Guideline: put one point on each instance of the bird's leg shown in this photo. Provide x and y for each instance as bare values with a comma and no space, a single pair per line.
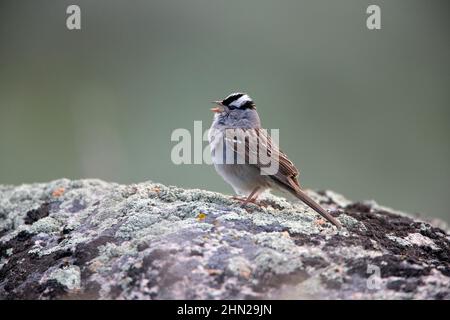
248,198
251,198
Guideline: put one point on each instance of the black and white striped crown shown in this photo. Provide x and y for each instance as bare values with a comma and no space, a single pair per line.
238,100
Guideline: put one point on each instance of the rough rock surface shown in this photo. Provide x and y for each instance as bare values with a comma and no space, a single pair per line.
90,239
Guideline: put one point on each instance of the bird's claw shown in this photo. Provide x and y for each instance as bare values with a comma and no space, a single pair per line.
246,201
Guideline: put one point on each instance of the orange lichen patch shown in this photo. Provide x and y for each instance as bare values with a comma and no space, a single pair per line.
214,272
58,192
156,189
320,222
201,216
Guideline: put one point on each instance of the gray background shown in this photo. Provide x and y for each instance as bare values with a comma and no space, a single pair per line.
362,112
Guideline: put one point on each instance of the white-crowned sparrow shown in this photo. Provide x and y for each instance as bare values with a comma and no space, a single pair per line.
231,153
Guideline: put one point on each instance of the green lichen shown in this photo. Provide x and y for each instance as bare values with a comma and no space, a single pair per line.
414,239
240,266
350,222
69,277
272,261
45,225
276,240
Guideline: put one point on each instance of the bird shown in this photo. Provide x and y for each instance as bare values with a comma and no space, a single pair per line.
235,137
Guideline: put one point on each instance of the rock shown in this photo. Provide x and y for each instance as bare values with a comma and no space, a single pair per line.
90,239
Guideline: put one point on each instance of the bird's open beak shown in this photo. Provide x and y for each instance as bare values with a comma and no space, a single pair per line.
219,107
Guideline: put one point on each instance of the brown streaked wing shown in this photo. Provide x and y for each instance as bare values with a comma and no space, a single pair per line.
287,172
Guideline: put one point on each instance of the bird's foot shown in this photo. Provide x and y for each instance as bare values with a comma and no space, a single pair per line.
245,201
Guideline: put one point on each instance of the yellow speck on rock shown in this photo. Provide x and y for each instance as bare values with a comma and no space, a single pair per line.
201,216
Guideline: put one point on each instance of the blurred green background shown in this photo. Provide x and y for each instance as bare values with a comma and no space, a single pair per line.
365,113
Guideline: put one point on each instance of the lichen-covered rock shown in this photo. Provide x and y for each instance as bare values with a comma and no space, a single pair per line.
96,240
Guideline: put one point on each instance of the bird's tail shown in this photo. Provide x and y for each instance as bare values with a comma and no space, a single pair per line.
314,205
